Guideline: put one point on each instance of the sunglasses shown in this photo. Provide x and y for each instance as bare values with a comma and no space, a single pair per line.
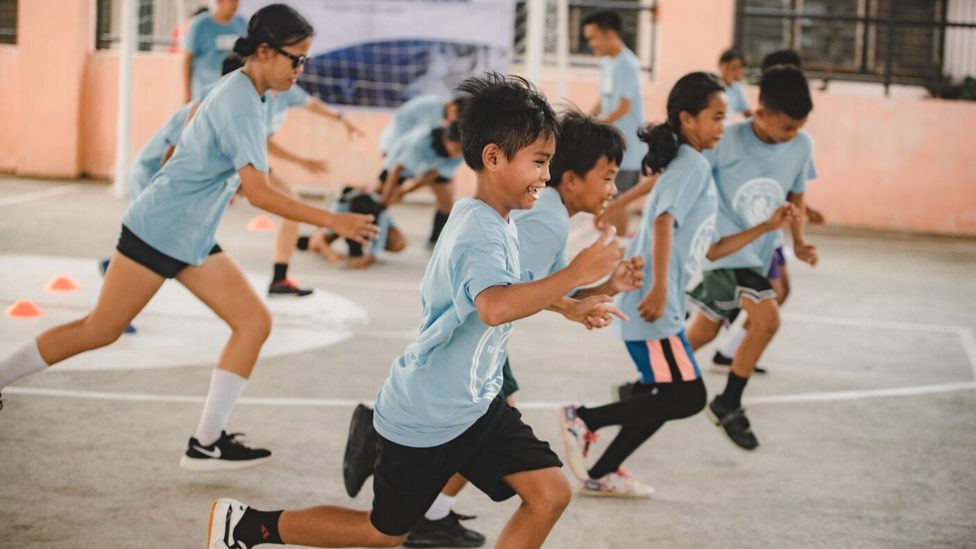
296,60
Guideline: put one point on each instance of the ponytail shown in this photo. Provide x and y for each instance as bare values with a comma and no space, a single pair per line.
690,94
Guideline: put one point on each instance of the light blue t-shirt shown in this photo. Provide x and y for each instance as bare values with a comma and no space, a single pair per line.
422,111
543,232
178,213
687,192
620,79
753,179
150,157
281,102
736,96
210,42
446,379
415,151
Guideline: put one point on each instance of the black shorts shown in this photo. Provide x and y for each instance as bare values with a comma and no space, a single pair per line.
137,250
406,480
510,385
440,179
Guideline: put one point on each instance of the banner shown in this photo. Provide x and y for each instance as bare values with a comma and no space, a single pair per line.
380,53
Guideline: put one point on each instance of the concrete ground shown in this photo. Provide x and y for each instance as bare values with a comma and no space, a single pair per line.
866,420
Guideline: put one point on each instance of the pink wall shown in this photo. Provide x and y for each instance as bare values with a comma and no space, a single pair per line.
896,163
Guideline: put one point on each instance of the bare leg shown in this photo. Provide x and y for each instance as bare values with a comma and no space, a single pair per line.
702,331
395,241
127,288
320,243
454,485
329,526
221,285
285,241
763,323
545,495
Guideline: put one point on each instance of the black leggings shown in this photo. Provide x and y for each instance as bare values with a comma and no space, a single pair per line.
640,416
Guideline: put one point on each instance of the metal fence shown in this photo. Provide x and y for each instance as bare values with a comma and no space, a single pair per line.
915,42
638,29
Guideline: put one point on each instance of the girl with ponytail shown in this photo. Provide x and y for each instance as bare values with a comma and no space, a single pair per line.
169,232
677,230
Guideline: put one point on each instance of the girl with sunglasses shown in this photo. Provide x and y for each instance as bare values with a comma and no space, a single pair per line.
168,232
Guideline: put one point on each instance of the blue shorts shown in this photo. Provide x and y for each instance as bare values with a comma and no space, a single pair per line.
664,360
779,261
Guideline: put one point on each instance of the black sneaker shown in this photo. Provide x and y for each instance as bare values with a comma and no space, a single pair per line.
446,532
1,402
226,454
734,422
360,455
722,363
288,287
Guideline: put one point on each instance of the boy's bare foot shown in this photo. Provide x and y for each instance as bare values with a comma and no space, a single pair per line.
318,242
361,262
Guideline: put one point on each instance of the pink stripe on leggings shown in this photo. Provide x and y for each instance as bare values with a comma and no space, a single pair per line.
685,365
659,364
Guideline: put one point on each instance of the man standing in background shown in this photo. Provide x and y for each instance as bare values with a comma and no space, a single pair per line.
209,39
620,99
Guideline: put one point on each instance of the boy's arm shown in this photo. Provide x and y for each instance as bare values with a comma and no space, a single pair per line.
427,179
621,111
390,183
804,252
317,106
728,245
501,304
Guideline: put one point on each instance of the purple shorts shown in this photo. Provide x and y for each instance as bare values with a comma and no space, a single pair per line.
779,261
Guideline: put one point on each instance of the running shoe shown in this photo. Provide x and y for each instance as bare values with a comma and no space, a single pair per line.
722,363
227,453
573,430
288,287
360,455
734,423
616,485
225,514
446,532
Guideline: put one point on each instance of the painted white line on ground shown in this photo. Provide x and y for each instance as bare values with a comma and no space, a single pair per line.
871,323
829,396
37,195
969,344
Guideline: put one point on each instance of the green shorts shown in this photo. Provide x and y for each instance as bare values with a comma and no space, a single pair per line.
719,295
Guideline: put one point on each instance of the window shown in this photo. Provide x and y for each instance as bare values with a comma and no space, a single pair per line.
159,23
901,41
631,13
8,21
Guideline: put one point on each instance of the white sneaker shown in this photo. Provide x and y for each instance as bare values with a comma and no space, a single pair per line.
572,429
616,485
224,516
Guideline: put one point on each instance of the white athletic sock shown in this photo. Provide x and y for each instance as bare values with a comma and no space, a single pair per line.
731,344
440,508
225,388
22,362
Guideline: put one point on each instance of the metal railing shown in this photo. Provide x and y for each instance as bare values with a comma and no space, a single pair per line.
879,44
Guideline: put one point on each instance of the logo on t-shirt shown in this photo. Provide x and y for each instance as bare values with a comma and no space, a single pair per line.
757,199
225,42
699,245
486,379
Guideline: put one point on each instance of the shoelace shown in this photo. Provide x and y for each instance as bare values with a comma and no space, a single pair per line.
589,437
233,439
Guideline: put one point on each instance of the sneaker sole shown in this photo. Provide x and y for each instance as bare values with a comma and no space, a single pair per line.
723,369
210,523
596,494
211,465
714,419
572,460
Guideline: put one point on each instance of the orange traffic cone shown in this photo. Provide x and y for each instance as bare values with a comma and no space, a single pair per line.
261,224
23,308
61,283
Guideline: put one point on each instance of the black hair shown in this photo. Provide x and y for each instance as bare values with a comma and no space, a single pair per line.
459,100
232,62
783,88
605,19
276,25
583,140
730,55
781,57
505,110
451,132
690,94
202,9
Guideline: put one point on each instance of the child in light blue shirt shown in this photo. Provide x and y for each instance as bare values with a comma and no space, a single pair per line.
731,65
439,412
209,38
423,111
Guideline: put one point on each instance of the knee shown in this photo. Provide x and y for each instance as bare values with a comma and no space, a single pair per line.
697,397
397,244
553,499
256,324
766,323
101,335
